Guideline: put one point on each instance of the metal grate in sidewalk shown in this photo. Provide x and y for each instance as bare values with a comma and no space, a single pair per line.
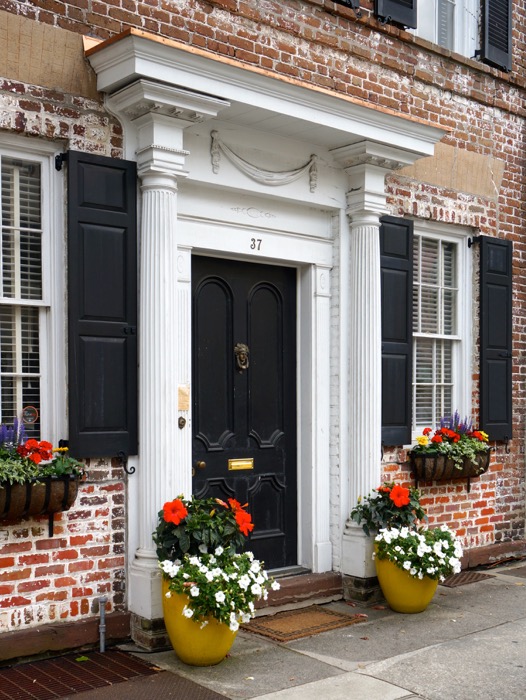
464,577
66,675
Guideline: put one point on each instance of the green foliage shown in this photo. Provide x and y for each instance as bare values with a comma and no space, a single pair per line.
22,460
196,526
434,553
390,505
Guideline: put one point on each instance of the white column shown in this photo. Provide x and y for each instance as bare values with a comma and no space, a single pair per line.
157,471
366,164
365,410
154,117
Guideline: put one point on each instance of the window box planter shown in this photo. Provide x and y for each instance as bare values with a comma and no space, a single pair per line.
42,496
437,467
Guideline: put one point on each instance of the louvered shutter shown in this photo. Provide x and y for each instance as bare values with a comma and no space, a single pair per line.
396,250
496,338
400,11
102,305
496,34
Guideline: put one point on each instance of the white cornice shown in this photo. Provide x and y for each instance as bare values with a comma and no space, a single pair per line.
124,60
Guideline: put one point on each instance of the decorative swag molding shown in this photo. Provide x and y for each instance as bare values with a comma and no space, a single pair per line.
264,177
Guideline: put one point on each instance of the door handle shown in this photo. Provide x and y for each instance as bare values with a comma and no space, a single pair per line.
200,465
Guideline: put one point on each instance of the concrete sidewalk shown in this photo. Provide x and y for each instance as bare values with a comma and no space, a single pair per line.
470,644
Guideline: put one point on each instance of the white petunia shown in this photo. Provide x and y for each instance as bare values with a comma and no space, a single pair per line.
275,586
256,589
194,591
187,612
220,597
203,549
407,565
219,551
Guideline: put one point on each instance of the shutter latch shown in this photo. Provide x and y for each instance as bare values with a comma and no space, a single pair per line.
123,459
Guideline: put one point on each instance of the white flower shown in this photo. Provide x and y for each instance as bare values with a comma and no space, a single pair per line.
204,624
203,569
275,586
234,625
255,567
245,617
203,549
194,561
256,589
209,576
194,591
244,582
219,551
220,597
250,555
407,565
168,594
187,612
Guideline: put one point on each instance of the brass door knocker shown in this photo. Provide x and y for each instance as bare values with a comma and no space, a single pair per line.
241,352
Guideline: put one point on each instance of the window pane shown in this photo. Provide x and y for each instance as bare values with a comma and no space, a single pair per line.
20,279
21,230
435,301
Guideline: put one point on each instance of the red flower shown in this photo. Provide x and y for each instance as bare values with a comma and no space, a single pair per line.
436,438
426,431
399,495
174,511
383,489
244,521
35,457
235,505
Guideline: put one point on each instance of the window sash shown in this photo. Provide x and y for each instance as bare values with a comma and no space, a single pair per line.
21,290
437,327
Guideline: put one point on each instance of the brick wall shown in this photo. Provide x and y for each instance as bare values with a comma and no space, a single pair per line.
44,580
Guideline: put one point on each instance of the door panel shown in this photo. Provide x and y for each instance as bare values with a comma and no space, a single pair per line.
244,425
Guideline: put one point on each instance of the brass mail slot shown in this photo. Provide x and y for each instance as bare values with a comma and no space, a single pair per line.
238,464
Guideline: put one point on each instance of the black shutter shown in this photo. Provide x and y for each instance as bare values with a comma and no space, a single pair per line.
102,305
496,34
496,337
396,259
399,11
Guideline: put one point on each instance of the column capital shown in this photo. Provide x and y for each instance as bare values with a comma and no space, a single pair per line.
157,115
367,163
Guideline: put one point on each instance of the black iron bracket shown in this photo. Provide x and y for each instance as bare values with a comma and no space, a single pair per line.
473,240
353,4
123,459
60,159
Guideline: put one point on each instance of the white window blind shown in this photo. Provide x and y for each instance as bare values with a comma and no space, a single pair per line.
20,291
435,320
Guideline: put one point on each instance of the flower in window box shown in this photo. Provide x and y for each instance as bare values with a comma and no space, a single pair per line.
456,440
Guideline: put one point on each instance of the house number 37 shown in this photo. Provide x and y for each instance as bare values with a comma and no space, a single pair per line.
255,243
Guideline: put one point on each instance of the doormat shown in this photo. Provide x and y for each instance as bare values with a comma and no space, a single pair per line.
464,577
295,624
67,675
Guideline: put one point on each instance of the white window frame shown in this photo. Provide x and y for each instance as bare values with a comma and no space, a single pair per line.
466,24
463,349
52,318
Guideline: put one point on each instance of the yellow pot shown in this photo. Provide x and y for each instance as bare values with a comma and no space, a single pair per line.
403,592
194,645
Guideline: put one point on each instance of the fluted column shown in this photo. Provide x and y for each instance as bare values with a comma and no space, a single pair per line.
365,410
158,343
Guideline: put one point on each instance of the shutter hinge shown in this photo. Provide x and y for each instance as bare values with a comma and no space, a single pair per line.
123,459
473,240
59,160
353,4
506,444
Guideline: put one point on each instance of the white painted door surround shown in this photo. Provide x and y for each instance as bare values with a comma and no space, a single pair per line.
170,98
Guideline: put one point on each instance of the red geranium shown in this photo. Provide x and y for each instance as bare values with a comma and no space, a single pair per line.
174,511
244,521
400,496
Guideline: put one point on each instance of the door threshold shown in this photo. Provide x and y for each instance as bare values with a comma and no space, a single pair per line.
289,571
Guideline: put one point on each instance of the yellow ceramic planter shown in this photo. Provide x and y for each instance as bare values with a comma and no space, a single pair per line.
194,645
404,593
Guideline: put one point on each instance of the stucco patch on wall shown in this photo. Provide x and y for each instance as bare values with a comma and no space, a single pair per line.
459,169
39,54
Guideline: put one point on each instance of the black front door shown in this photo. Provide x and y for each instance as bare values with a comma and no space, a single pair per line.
244,397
